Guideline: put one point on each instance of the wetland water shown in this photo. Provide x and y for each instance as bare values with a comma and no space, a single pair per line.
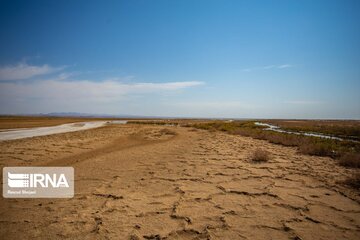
274,128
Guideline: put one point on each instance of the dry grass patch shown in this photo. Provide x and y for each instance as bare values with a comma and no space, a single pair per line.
193,130
350,160
341,128
317,149
166,131
260,155
354,181
305,144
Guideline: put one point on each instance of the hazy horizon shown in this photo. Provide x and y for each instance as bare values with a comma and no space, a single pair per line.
190,59
128,116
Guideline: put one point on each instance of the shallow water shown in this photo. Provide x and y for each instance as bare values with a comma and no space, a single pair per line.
11,134
274,128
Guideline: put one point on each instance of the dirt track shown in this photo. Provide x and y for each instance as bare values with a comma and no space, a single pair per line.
141,182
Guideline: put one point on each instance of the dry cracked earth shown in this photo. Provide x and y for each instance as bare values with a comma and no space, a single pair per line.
150,182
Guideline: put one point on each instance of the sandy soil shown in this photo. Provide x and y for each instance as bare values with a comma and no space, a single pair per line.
146,182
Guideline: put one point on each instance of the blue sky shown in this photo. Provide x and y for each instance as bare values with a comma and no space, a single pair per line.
240,59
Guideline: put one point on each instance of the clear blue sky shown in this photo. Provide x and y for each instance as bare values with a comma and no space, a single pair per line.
257,59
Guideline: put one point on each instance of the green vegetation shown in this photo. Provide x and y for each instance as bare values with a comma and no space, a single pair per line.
306,144
349,129
346,152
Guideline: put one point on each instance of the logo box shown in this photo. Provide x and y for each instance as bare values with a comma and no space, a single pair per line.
38,182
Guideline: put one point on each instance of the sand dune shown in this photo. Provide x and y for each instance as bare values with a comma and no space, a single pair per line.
154,182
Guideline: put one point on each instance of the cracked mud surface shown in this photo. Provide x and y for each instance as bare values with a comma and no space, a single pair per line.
144,182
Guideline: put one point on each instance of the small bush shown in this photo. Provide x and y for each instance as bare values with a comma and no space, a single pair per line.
166,131
354,181
305,144
317,149
260,155
350,160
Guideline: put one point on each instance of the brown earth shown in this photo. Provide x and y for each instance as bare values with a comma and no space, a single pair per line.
156,182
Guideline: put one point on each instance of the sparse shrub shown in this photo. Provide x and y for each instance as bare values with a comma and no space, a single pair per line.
317,149
306,144
260,155
350,160
166,131
354,181
193,130
345,129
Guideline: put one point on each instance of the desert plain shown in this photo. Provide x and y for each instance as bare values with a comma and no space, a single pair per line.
144,181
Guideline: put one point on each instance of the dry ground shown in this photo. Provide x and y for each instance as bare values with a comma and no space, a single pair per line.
9,122
143,182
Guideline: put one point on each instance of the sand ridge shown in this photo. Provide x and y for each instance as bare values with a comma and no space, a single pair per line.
155,182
